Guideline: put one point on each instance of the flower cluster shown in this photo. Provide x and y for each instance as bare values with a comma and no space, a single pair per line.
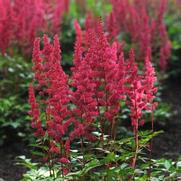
54,97
141,91
100,79
144,25
35,113
6,28
22,20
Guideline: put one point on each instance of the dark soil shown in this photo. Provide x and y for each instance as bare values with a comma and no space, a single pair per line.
166,145
9,171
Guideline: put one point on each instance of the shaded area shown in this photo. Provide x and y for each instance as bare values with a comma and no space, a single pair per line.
168,144
9,171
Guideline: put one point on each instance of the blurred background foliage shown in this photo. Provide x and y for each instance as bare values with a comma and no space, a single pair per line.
173,22
15,74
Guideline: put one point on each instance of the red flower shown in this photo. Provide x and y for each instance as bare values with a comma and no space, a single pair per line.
98,78
65,171
6,26
54,148
22,20
149,82
78,46
64,160
54,91
102,59
145,26
60,7
135,92
35,113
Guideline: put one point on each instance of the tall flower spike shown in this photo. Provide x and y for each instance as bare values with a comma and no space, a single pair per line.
35,113
78,45
83,96
103,61
132,69
135,91
57,15
21,21
150,79
55,100
38,63
149,85
58,88
146,30
112,27
121,75
6,26
136,100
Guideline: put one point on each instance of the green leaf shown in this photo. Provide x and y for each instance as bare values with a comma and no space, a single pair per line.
109,158
178,164
167,164
89,166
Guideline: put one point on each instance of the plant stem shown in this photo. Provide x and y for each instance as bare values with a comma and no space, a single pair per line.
82,149
151,141
136,146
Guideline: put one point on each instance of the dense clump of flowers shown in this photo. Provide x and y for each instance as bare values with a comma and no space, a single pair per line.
6,28
95,77
55,10
78,49
22,20
54,92
35,113
143,22
27,25
89,99
141,94
149,85
135,91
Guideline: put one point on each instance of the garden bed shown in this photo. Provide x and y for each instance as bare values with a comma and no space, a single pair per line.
165,145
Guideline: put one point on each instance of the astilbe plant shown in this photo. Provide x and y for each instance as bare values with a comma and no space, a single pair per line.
22,20
54,91
141,94
143,21
6,29
27,25
72,108
55,10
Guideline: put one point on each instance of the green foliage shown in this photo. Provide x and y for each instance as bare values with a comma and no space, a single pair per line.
162,113
15,74
173,22
66,38
112,163
35,172
98,8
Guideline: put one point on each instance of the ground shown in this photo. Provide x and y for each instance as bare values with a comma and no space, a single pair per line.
9,171
168,144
